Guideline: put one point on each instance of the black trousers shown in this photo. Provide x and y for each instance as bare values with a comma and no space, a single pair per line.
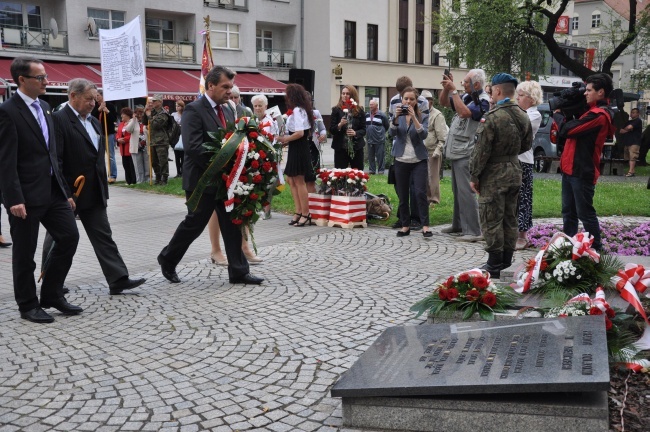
98,229
129,169
342,159
57,217
412,176
192,227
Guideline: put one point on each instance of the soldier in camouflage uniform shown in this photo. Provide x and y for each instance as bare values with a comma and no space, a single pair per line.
504,133
156,120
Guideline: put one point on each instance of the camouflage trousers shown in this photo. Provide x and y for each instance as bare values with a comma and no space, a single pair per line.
499,186
160,161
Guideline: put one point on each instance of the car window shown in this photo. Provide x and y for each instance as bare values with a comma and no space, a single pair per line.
546,115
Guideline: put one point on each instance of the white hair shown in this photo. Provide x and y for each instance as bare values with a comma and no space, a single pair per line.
477,75
261,98
235,90
532,89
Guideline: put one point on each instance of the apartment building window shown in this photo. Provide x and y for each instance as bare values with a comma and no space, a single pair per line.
373,51
574,23
264,39
159,30
435,4
420,2
225,35
16,15
402,42
419,47
595,20
350,40
107,19
435,56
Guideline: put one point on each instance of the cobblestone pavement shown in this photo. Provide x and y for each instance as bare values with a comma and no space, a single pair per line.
206,354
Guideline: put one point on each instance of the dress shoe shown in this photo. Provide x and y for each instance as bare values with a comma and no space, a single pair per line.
125,283
62,305
169,272
37,315
5,244
247,279
111,180
427,233
403,233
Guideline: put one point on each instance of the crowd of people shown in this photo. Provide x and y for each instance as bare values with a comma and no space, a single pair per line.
488,144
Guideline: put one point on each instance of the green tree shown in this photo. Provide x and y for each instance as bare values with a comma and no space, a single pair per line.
502,35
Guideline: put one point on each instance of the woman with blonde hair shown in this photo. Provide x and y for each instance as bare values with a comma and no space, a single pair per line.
348,122
529,95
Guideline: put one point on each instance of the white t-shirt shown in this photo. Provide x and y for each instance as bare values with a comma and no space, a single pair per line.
535,120
298,120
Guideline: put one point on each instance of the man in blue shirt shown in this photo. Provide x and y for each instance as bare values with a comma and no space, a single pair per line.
458,147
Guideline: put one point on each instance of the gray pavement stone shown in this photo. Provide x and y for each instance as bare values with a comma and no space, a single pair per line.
206,354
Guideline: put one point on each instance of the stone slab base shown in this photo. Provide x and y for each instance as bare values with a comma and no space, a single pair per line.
546,412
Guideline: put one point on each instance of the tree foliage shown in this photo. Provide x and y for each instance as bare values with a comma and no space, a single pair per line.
512,36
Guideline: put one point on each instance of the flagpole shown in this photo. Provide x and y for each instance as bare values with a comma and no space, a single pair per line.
108,155
149,143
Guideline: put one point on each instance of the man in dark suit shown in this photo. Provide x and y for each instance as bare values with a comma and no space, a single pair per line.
81,151
204,115
34,193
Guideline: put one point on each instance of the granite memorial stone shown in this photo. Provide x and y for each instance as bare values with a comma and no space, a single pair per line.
520,356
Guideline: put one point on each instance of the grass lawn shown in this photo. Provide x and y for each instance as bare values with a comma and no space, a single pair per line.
612,198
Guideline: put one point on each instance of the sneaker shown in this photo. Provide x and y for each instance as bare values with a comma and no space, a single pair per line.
469,238
449,230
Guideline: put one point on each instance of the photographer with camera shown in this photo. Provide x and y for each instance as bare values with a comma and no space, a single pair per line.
459,145
580,160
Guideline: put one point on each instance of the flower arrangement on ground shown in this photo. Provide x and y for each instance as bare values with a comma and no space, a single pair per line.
348,106
470,292
621,328
617,238
566,267
322,179
243,167
346,182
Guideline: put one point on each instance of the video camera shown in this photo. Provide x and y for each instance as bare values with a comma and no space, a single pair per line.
570,101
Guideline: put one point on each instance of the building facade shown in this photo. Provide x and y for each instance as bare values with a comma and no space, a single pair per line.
260,39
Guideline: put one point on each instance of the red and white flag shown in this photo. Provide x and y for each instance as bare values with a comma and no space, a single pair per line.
206,60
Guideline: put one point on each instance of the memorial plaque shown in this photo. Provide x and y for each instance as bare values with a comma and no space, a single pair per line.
522,356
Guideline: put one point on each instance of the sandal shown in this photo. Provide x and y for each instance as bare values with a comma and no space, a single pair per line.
295,221
630,174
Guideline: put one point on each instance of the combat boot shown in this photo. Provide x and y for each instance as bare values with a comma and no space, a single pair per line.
507,258
163,182
157,182
494,264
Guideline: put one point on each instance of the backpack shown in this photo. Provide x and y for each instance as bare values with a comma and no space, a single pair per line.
173,130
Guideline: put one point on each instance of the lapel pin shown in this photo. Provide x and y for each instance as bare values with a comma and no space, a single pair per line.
48,113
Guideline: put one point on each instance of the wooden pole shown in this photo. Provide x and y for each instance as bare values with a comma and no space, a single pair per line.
149,143
108,155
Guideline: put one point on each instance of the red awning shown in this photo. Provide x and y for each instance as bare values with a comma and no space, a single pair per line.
251,83
172,83
59,74
257,83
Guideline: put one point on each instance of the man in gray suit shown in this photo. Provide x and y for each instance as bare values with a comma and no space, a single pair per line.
81,151
207,114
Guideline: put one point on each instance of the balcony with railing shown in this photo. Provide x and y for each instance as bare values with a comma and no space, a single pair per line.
34,39
276,59
170,51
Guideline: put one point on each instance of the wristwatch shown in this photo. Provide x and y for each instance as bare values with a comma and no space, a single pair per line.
455,92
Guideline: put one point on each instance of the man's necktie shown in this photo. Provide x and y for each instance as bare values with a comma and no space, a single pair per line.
221,116
41,122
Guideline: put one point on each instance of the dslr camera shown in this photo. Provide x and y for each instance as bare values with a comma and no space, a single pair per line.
405,109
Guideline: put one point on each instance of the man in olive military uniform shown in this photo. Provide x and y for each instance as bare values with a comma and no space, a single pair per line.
156,118
504,133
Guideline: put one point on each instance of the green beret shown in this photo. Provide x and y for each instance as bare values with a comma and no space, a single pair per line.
502,78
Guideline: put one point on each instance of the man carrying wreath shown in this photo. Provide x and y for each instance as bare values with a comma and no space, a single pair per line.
207,114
